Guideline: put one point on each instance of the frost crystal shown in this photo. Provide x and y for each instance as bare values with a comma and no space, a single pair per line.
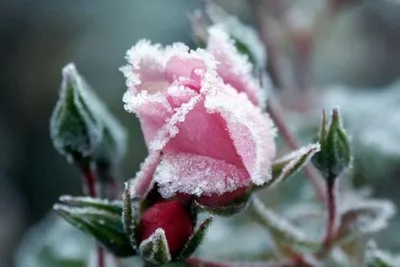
197,175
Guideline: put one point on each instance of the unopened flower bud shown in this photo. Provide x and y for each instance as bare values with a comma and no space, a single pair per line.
173,218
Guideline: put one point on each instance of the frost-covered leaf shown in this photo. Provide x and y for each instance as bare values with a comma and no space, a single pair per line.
233,207
82,127
114,207
196,239
281,229
335,154
375,257
363,216
104,225
284,167
130,217
155,249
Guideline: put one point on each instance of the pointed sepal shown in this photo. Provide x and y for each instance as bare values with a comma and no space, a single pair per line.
155,248
130,217
196,239
288,165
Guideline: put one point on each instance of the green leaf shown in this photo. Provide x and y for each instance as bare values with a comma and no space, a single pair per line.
280,228
196,239
101,204
335,154
155,249
100,223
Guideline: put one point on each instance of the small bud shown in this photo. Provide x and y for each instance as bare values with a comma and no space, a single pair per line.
98,218
170,217
335,154
74,127
82,128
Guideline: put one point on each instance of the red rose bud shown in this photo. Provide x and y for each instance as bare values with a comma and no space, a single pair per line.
173,218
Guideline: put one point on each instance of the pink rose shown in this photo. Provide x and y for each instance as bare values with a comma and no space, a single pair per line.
199,114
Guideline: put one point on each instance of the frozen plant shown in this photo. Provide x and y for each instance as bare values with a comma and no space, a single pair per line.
210,132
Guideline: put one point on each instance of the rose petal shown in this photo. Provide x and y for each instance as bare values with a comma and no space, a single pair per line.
145,68
252,132
204,134
143,182
197,175
234,68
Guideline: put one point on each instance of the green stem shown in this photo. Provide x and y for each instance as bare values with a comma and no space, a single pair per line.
331,208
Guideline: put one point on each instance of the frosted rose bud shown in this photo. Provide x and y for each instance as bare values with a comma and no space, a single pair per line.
207,138
172,217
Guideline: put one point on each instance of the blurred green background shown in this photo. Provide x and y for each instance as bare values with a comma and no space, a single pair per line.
360,51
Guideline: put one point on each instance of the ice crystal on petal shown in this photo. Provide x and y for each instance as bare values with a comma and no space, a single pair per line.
197,175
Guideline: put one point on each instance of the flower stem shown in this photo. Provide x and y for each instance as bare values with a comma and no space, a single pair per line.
89,179
291,141
331,207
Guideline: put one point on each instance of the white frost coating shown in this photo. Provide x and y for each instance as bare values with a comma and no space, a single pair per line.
134,102
302,155
158,235
82,211
220,42
170,129
377,212
147,57
238,30
260,132
143,50
197,175
79,200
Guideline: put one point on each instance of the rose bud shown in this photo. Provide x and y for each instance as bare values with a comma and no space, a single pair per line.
202,123
172,217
